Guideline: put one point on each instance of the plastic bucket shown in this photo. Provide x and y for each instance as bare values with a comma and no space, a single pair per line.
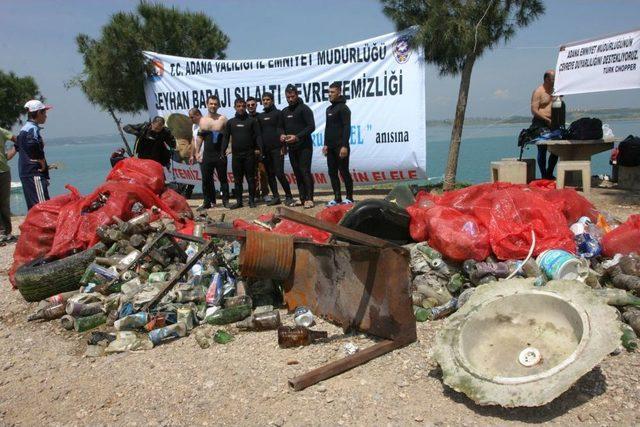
562,265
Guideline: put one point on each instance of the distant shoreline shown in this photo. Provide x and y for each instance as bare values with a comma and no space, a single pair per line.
605,115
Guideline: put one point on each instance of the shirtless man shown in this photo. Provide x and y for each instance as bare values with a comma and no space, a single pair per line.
213,157
541,109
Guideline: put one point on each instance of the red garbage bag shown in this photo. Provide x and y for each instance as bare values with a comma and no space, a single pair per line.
293,228
177,202
241,224
465,199
456,235
543,184
76,225
334,214
571,204
624,239
148,173
510,214
38,230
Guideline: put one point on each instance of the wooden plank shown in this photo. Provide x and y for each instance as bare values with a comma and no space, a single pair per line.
337,230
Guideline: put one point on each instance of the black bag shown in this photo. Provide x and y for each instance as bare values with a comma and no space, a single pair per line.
379,218
629,152
585,128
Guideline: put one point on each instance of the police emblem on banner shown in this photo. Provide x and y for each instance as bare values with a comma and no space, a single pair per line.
157,70
401,49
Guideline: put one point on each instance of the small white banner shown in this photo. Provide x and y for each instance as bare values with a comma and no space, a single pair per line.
183,173
598,65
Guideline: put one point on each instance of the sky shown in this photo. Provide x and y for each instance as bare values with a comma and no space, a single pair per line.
37,38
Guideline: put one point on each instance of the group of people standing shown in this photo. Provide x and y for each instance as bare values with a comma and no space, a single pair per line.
259,142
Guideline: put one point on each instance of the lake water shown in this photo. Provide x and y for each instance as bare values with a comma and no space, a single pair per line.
84,162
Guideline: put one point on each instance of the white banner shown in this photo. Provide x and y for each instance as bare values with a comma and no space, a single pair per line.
183,173
382,78
610,63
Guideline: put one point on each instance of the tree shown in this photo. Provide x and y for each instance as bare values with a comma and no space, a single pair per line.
454,33
14,92
114,67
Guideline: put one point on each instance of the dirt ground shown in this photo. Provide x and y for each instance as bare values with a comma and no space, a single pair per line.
46,379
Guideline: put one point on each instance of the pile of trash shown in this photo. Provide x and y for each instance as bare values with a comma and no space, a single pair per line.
143,289
441,285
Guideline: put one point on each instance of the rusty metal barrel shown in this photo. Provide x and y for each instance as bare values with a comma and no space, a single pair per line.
266,255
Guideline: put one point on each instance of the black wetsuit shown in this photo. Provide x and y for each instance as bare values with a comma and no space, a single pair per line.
152,145
244,132
298,120
213,160
270,121
336,136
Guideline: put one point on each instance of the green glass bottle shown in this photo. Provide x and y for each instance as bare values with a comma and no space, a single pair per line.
618,297
229,315
421,313
85,323
222,337
629,338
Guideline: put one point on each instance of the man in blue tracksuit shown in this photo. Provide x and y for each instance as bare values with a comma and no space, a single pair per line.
32,165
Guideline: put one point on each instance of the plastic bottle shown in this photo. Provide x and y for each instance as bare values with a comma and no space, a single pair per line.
82,324
298,336
196,295
214,292
261,321
48,313
558,113
132,321
168,332
127,260
302,316
227,315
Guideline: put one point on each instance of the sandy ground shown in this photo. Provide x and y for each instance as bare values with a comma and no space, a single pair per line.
46,379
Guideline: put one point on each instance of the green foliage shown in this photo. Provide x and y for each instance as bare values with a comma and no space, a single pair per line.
453,30
114,68
14,93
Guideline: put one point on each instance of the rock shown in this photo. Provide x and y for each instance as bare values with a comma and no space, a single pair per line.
419,418
321,389
292,362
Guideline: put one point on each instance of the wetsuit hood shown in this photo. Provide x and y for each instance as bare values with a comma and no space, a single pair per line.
341,100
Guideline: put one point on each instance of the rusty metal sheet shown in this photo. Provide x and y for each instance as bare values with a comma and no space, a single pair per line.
356,287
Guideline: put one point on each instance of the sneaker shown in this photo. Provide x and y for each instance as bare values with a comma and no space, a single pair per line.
274,202
225,203
267,199
236,206
347,202
308,204
252,204
10,238
332,203
288,201
203,207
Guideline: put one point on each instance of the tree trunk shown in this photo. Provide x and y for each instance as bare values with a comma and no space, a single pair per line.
456,132
126,144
